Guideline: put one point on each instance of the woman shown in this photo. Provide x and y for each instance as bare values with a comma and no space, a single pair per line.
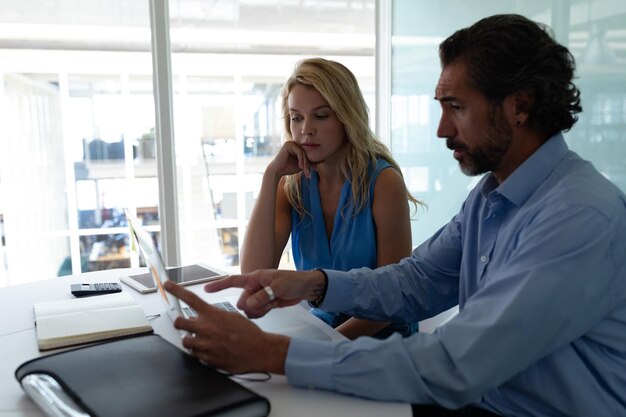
330,189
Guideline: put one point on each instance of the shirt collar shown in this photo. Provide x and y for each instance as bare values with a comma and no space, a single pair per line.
528,176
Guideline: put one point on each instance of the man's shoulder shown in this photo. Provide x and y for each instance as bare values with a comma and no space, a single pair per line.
575,182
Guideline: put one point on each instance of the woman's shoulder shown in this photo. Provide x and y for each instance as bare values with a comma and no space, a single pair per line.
377,169
381,163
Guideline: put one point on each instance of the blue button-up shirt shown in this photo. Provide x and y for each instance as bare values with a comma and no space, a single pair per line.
537,265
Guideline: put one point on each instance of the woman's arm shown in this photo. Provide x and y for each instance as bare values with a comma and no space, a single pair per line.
270,222
268,228
390,209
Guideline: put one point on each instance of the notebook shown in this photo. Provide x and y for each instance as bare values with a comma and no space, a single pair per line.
83,320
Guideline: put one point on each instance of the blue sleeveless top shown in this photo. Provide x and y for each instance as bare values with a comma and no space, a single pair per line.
353,240
352,243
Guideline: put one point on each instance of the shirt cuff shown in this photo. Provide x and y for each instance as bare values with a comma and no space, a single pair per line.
339,291
309,363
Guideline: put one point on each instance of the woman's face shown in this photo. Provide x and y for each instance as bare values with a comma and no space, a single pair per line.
315,126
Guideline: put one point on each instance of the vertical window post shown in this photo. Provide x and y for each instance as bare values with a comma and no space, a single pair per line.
383,70
164,131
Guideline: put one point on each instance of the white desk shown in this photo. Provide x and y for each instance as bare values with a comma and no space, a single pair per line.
18,344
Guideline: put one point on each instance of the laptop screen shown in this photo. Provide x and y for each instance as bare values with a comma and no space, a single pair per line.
155,264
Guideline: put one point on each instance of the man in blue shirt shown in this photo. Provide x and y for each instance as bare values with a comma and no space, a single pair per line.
535,259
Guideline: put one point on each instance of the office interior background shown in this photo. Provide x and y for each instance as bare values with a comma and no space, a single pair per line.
77,105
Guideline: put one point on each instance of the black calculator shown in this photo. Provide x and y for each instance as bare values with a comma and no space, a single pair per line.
99,288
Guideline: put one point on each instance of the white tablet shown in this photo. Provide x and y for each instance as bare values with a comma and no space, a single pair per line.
184,275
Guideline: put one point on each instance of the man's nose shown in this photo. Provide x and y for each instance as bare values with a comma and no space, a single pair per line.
445,129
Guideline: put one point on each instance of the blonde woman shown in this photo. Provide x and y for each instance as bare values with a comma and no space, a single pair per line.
333,187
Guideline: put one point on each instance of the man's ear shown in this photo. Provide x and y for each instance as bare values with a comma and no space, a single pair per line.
519,104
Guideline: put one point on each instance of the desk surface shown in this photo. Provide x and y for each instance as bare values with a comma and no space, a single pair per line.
18,344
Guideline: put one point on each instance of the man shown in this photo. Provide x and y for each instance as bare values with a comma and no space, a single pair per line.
535,259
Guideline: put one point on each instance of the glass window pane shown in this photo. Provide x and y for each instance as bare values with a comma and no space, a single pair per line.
593,31
77,141
80,112
229,63
108,251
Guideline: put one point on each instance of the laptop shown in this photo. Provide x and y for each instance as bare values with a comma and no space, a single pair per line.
153,259
290,321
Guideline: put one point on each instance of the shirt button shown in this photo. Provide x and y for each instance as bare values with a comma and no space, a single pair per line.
483,258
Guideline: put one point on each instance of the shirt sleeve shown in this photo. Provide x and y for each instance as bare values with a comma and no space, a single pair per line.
420,286
544,299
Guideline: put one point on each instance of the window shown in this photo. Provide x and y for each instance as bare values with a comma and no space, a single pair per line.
594,31
78,146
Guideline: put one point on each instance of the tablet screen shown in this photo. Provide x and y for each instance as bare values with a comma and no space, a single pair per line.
181,274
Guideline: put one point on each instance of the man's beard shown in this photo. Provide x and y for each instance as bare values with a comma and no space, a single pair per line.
487,157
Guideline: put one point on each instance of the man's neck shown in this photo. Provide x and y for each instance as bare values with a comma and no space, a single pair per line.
525,142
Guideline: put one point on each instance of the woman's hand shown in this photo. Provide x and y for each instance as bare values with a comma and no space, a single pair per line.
290,159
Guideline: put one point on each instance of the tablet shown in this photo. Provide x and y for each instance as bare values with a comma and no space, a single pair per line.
184,275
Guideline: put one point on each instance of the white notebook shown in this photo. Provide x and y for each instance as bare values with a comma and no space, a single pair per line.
83,320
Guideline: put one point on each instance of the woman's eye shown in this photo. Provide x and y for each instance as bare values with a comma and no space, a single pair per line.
296,118
322,116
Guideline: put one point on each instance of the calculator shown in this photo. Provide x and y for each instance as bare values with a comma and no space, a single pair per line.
99,288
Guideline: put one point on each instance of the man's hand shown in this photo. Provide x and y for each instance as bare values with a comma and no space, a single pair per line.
228,340
287,287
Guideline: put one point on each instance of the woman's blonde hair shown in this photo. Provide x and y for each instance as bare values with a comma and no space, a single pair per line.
340,89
